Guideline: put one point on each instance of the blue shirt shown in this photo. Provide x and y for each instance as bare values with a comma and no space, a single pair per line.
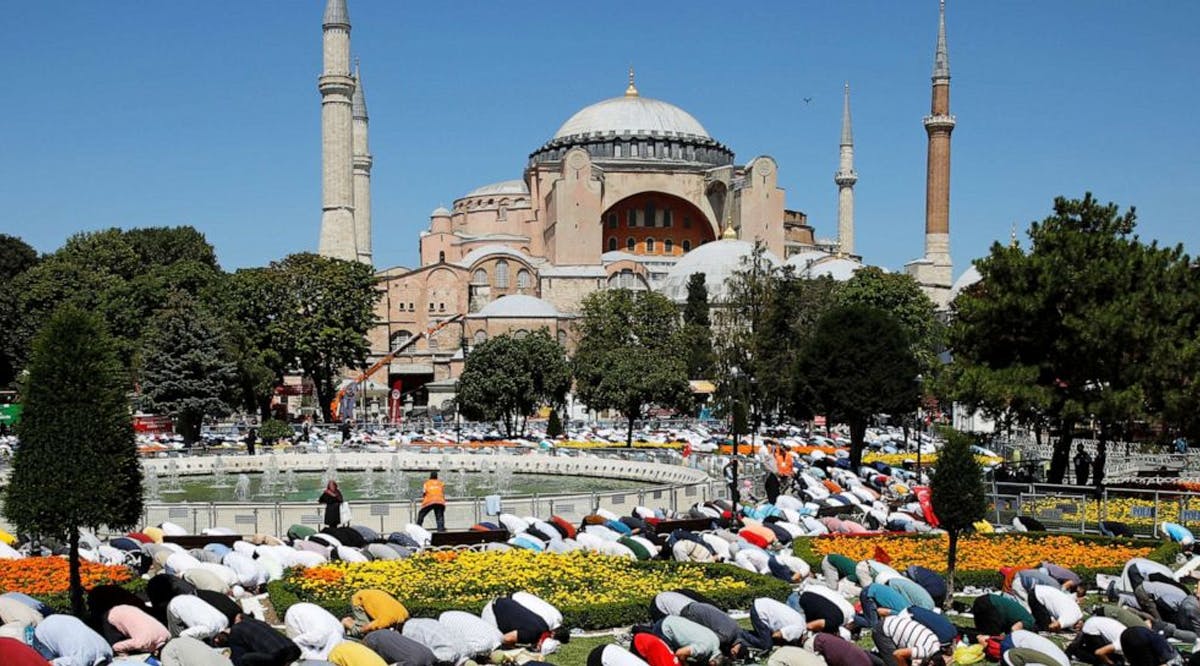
1178,533
913,592
29,602
935,622
886,597
67,641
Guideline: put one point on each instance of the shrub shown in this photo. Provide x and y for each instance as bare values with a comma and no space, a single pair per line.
274,430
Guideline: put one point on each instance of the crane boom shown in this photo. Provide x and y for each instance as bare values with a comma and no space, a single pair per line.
386,360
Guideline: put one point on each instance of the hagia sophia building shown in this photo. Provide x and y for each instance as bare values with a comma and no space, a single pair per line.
629,192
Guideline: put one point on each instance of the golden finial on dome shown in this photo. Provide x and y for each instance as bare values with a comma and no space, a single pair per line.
730,233
631,91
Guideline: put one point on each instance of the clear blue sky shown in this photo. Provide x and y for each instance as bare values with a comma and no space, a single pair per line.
124,113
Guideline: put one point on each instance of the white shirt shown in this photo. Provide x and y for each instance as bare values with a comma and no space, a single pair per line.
201,620
439,638
547,612
227,575
314,629
615,655
474,636
1027,639
718,544
178,562
1106,628
671,603
1059,604
781,617
843,605
753,559
249,572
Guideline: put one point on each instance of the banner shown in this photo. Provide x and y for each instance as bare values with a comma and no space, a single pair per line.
925,499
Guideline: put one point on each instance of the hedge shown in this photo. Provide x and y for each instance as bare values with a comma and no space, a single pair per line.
284,593
1164,552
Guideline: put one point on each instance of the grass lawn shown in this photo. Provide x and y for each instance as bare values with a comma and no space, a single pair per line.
575,653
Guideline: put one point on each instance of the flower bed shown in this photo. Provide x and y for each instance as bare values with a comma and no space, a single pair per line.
48,578
1132,511
593,591
897,459
980,556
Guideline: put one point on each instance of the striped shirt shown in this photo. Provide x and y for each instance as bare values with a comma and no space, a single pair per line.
908,633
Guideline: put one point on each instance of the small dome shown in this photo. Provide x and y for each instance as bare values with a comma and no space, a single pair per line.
968,278
519,306
503,187
718,261
838,268
440,211
631,115
802,259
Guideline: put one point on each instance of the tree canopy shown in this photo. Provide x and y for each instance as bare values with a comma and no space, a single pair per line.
858,363
77,465
697,329
188,372
958,495
507,378
630,356
1089,324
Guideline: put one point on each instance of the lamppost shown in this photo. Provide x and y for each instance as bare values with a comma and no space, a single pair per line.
462,344
920,424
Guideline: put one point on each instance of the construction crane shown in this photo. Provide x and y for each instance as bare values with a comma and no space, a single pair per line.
385,360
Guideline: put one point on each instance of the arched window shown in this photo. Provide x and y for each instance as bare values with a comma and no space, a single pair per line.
480,336
628,279
503,217
687,246
669,248
520,333
399,338
442,260
562,338
502,274
523,279
649,245
480,277
612,247
630,244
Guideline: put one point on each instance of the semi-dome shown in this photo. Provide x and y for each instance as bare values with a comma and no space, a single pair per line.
718,261
968,278
632,115
440,211
804,258
838,268
503,187
519,306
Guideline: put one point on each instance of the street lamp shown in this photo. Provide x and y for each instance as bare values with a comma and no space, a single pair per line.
920,425
462,344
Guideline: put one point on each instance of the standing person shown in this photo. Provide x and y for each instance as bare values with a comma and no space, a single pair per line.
332,499
345,431
1098,467
251,440
306,431
1083,463
433,498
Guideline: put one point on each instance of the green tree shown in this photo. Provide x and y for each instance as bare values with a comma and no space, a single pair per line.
899,295
858,363
554,426
77,465
252,303
507,378
16,257
188,373
697,329
327,306
630,356
958,494
1090,324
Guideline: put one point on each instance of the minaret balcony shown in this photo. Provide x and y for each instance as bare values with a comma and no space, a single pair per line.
940,122
845,178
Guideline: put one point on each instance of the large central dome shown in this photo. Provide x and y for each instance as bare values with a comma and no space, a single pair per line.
632,115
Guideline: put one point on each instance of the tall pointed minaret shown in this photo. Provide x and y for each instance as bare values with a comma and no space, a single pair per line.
845,178
362,173
337,146
934,270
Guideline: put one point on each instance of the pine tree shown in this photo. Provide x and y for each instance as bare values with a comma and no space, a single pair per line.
554,427
187,373
958,493
77,465
697,329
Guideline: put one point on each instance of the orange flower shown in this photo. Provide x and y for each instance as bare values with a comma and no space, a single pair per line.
51,575
979,553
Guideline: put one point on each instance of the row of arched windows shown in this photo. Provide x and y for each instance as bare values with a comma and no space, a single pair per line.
668,245
480,277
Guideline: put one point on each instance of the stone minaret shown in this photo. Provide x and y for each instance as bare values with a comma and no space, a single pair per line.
362,173
845,178
933,271
337,149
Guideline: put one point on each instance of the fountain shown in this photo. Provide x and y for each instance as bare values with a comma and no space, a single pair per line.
504,479
460,482
242,490
219,474
331,471
152,490
173,485
289,481
271,472
445,467
368,483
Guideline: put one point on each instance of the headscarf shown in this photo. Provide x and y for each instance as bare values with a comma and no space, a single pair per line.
331,488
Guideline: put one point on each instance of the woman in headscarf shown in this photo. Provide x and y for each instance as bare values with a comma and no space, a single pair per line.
332,499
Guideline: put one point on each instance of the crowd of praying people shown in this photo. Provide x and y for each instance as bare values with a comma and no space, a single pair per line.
200,606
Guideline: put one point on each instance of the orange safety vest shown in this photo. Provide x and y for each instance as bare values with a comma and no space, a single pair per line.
435,492
783,462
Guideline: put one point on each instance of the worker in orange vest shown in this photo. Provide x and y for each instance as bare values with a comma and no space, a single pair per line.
433,499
